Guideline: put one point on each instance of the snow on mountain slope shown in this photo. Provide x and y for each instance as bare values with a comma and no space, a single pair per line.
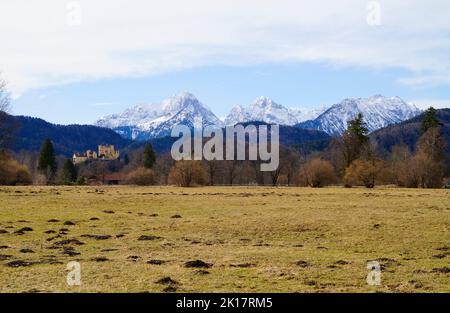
266,110
378,111
146,121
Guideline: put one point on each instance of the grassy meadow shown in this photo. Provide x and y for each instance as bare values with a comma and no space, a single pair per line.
250,239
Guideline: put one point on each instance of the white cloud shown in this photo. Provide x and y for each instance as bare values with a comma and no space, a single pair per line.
428,80
132,38
435,103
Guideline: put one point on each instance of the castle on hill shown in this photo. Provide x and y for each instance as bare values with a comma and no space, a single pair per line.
105,152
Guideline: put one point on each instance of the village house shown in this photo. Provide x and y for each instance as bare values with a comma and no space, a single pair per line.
105,152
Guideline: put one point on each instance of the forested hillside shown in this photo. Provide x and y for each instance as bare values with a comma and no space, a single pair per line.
31,132
409,132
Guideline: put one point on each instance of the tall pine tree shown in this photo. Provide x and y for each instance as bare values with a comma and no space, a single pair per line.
47,161
149,158
429,120
355,139
126,159
69,172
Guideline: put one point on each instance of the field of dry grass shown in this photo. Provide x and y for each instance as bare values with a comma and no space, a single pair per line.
131,239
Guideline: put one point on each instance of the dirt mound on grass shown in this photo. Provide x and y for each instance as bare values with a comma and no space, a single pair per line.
19,263
166,281
96,237
197,264
148,237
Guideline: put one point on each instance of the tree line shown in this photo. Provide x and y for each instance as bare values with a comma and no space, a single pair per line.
350,160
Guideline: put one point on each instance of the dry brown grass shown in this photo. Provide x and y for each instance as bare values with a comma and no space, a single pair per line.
253,237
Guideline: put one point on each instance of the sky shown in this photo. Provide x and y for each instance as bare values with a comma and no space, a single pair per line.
76,61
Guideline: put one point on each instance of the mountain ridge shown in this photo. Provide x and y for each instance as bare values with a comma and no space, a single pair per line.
143,122
78,138
146,121
378,111
266,110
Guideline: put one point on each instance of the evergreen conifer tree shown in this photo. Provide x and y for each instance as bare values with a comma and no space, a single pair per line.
47,160
149,156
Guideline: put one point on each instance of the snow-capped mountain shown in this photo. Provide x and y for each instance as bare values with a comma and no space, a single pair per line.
266,110
146,121
378,111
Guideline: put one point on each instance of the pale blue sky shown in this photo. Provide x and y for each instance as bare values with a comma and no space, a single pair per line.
294,85
74,61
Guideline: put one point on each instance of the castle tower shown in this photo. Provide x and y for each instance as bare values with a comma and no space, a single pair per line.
108,152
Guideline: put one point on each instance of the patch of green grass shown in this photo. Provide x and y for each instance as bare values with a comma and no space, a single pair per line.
254,238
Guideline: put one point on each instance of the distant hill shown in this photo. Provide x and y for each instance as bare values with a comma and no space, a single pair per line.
290,136
408,132
77,138
294,136
68,139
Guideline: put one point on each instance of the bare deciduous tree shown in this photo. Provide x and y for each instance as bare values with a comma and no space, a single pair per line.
231,168
188,173
5,128
212,168
291,162
162,168
4,96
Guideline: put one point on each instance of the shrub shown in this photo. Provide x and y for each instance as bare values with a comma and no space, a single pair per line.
141,176
23,176
317,173
363,172
13,173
